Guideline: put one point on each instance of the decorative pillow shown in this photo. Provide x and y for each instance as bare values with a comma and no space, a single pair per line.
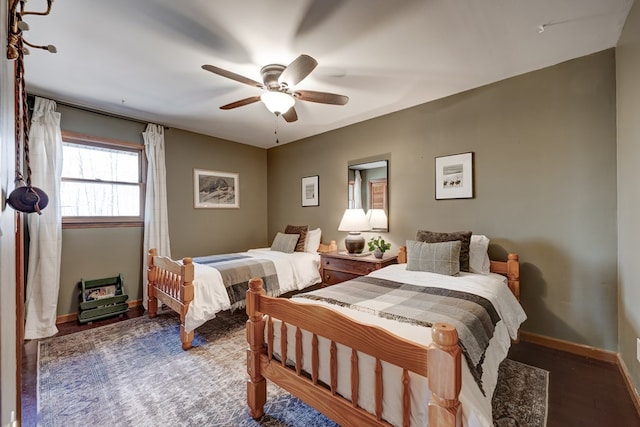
313,241
478,255
463,236
300,230
285,242
441,258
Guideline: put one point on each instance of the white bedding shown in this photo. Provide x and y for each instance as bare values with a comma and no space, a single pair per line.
295,271
476,407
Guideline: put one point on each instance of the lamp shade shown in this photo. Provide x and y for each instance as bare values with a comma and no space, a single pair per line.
354,220
277,102
377,219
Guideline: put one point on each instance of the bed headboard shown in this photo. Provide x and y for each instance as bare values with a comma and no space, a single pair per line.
509,268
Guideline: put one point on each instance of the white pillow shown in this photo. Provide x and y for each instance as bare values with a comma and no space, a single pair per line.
312,243
478,256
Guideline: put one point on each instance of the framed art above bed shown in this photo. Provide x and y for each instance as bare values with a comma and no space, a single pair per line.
454,176
213,189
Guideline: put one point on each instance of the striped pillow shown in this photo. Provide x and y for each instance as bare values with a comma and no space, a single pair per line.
301,231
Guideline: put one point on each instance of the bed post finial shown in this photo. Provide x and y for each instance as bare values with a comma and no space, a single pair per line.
256,384
444,357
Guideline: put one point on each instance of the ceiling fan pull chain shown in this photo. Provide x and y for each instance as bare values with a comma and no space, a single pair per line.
276,126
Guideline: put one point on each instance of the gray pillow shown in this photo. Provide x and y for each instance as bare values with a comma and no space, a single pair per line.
435,237
441,258
285,242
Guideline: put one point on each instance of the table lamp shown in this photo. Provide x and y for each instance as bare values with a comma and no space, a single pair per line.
354,221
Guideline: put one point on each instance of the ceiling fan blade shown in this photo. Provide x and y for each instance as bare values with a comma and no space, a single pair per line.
321,97
290,115
232,76
295,72
240,103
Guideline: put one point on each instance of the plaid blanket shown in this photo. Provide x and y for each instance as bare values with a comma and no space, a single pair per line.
473,316
237,270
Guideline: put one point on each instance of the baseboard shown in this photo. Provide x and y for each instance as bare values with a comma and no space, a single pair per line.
570,347
627,379
74,316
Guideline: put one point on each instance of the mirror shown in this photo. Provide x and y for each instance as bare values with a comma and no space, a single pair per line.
368,190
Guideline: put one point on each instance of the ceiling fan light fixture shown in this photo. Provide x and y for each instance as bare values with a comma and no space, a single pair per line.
277,102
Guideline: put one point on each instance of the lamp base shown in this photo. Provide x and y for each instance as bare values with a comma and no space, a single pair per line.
354,243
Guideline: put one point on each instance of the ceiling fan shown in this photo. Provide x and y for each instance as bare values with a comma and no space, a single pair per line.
278,81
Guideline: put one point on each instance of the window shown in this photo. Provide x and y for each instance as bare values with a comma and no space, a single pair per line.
102,182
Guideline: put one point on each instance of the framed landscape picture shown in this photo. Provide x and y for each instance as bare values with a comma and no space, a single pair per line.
310,191
454,176
213,189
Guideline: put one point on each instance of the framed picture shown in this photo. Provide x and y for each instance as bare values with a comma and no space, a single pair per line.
310,191
213,189
454,176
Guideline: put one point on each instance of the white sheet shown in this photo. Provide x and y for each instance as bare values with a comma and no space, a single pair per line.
295,271
476,407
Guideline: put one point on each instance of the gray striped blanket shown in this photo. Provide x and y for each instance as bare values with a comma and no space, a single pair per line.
473,316
237,270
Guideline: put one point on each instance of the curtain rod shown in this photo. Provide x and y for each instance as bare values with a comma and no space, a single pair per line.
102,113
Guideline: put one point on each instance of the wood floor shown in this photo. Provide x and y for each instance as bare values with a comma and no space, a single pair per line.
582,392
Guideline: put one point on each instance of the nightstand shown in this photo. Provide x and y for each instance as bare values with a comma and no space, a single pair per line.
338,267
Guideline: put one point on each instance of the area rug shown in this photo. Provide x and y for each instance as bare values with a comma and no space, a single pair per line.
129,374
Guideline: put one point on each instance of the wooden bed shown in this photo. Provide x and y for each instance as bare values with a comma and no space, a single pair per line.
171,282
440,362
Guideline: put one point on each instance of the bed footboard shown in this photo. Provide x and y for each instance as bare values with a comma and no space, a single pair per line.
171,283
443,369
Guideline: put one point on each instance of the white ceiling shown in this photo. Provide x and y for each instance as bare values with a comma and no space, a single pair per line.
142,58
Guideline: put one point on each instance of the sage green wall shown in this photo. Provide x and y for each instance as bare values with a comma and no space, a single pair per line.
101,252
209,231
628,114
92,253
545,185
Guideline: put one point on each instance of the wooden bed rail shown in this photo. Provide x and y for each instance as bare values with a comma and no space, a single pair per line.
440,362
171,283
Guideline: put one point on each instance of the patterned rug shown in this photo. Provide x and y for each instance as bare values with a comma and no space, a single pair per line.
127,374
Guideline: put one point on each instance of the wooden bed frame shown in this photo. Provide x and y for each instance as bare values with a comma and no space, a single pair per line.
443,369
171,283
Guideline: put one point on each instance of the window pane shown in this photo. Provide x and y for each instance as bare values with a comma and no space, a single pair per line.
88,199
87,162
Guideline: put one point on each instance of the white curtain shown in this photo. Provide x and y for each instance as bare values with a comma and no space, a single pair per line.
45,231
156,219
357,191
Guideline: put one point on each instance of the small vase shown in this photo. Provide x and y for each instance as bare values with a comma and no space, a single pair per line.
378,253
